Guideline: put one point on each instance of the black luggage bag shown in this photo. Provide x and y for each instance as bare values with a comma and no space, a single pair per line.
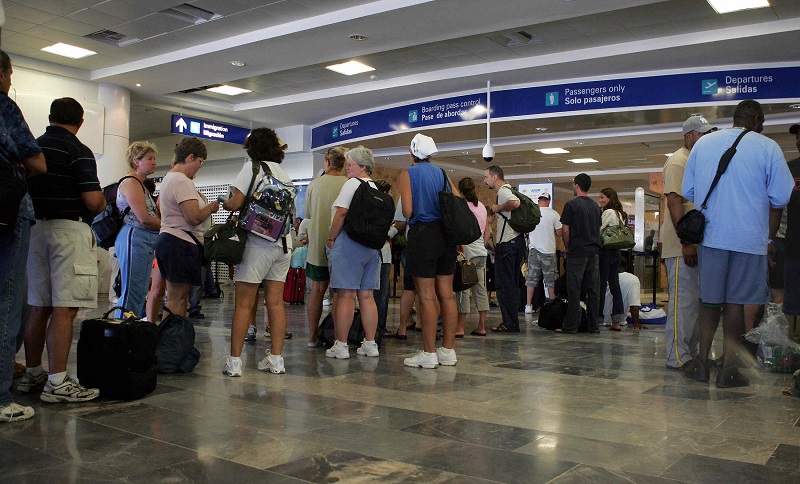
354,337
118,356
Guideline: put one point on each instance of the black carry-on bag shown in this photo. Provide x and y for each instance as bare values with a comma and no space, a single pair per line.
118,356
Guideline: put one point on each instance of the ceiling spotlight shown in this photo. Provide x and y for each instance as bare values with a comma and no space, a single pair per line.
541,129
358,37
238,64
138,85
794,106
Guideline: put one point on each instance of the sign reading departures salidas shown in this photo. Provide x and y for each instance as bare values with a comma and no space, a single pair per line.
698,88
202,128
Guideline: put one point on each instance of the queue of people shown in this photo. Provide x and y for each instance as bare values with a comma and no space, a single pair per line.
160,247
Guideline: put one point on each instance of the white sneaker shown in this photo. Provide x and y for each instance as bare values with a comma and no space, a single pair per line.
272,363
326,303
251,333
14,412
67,391
446,357
29,381
368,348
338,350
233,366
529,309
423,360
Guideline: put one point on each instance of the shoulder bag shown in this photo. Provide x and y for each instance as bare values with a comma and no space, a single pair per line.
225,242
617,237
466,274
692,225
460,224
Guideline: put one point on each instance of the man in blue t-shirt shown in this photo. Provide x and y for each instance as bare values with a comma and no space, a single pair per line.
20,155
733,253
580,231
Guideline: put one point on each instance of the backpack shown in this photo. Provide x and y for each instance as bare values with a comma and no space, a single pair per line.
369,217
354,337
269,212
524,218
176,351
107,224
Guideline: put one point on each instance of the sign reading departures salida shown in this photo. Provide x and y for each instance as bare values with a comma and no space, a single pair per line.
696,88
203,128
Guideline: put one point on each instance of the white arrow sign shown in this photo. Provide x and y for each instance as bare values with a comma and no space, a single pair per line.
181,124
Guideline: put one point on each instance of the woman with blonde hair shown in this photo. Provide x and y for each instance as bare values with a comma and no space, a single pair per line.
136,241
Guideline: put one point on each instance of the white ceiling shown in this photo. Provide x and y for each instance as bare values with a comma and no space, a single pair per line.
420,49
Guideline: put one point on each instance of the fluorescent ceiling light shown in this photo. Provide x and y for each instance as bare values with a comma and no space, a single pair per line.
727,6
584,160
67,50
350,68
552,151
228,90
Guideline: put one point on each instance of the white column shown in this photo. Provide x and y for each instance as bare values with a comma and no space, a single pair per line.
111,165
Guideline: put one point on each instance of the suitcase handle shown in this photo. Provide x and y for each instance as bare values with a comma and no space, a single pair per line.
108,313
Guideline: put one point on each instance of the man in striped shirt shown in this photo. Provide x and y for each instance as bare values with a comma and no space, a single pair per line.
62,262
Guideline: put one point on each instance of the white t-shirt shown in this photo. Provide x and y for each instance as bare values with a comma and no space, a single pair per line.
630,287
242,183
505,194
543,237
347,192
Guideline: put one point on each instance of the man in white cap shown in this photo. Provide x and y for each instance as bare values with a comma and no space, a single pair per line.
680,259
542,261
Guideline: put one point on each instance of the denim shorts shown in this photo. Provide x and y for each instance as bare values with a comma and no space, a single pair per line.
732,277
354,266
179,261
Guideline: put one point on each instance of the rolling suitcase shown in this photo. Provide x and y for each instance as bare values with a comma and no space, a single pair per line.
118,356
294,290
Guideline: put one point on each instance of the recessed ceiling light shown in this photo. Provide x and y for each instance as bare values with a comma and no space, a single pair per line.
552,151
727,6
238,64
579,143
67,50
794,106
350,68
358,37
138,85
228,90
667,154
541,129
584,160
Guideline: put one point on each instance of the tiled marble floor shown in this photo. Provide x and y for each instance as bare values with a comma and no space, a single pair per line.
529,407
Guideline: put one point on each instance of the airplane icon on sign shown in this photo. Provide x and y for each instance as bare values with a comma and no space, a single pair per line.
709,86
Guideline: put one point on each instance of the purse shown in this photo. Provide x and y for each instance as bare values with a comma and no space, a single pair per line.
12,190
466,275
225,242
691,227
460,224
617,237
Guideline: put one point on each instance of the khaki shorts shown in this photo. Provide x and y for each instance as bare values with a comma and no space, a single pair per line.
62,265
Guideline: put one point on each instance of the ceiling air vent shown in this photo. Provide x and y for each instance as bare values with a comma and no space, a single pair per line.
112,38
521,37
190,14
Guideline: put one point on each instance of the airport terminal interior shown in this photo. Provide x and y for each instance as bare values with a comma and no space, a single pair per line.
556,88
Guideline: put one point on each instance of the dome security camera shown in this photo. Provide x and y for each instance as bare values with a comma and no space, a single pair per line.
488,153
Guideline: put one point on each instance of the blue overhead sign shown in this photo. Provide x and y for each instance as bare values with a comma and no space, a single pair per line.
612,94
203,128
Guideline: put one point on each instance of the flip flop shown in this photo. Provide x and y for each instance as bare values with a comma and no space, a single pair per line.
504,329
615,329
459,336
475,332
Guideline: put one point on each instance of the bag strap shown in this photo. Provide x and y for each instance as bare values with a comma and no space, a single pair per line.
505,219
128,208
194,238
724,161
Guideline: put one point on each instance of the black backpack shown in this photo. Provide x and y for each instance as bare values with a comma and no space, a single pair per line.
524,218
369,217
107,224
176,351
354,337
